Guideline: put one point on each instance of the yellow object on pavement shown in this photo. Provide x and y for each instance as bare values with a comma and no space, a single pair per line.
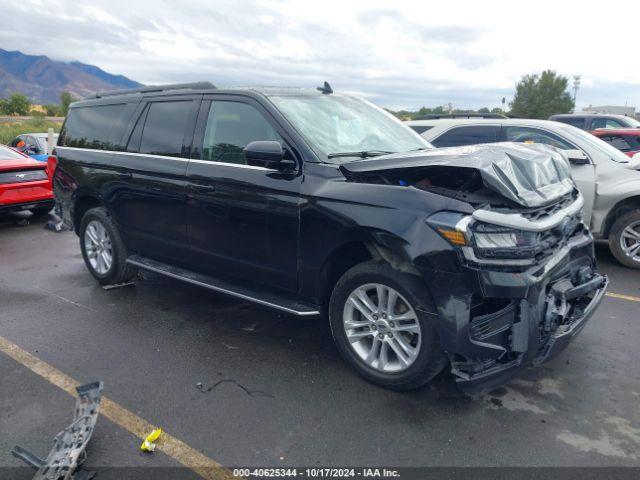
149,443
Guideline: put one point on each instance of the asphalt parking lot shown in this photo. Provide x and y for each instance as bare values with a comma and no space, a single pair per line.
274,391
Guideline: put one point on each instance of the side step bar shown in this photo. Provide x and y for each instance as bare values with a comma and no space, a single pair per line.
268,299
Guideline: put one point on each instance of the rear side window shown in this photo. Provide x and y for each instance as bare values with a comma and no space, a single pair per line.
231,126
164,128
91,127
470,135
573,121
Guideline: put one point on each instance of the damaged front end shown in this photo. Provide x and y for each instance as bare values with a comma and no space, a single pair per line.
518,279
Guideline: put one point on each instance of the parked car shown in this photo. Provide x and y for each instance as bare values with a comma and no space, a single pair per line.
34,145
24,184
315,203
594,121
607,178
627,140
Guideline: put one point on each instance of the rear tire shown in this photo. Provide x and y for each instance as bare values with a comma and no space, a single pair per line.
412,353
103,250
624,239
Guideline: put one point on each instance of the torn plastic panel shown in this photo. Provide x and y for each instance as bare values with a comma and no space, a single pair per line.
494,323
529,176
68,451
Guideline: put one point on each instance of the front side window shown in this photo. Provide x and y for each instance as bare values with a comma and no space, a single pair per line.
164,128
534,135
91,127
231,126
597,123
335,124
471,135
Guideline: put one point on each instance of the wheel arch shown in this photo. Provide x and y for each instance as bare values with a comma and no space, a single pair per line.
370,245
82,205
621,208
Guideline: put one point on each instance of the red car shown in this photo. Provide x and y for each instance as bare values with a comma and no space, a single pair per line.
24,183
627,140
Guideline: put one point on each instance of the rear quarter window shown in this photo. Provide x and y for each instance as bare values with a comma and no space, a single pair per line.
420,129
92,127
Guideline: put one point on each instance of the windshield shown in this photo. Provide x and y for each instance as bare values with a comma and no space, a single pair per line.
633,123
7,153
335,124
579,136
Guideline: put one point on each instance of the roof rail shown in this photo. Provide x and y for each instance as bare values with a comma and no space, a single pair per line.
155,88
441,116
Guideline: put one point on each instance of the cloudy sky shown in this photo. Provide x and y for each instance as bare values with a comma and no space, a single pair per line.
399,54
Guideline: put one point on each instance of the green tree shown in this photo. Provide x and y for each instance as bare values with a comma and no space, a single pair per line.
540,96
496,110
65,100
52,110
484,110
3,106
18,104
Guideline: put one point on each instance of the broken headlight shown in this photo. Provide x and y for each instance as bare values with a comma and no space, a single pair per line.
490,241
501,242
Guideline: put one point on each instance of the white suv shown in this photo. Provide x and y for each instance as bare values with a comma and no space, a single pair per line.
607,178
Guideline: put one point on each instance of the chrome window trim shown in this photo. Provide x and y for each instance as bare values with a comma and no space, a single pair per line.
164,157
517,221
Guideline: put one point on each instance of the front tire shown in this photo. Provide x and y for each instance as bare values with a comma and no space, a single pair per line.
104,252
624,239
379,324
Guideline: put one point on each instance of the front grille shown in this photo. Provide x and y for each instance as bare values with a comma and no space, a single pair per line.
543,212
21,176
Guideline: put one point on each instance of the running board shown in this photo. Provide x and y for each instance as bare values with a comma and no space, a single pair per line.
268,299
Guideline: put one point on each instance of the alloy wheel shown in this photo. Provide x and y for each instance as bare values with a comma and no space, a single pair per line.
97,243
382,328
630,241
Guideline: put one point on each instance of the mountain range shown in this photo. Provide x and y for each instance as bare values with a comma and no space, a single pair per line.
43,80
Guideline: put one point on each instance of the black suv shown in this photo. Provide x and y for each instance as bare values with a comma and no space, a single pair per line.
321,204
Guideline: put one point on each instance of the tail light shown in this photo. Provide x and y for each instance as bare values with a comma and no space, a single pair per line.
52,163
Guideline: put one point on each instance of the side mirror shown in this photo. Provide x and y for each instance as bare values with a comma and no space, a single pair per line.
264,153
577,157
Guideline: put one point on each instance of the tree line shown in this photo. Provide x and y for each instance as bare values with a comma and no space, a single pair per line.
19,104
536,96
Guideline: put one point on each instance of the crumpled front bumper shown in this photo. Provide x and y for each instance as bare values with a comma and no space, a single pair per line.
494,323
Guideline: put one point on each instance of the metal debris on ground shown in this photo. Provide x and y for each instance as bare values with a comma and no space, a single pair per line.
68,452
149,445
116,285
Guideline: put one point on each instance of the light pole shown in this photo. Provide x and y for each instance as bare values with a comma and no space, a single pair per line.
576,86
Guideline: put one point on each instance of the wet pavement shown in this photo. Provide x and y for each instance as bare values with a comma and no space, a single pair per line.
250,387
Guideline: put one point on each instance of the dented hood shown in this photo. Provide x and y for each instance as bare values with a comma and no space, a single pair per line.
530,175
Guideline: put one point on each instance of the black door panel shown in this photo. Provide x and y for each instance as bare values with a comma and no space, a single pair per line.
243,220
149,196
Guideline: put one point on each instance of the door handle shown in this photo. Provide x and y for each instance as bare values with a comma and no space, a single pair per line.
124,175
